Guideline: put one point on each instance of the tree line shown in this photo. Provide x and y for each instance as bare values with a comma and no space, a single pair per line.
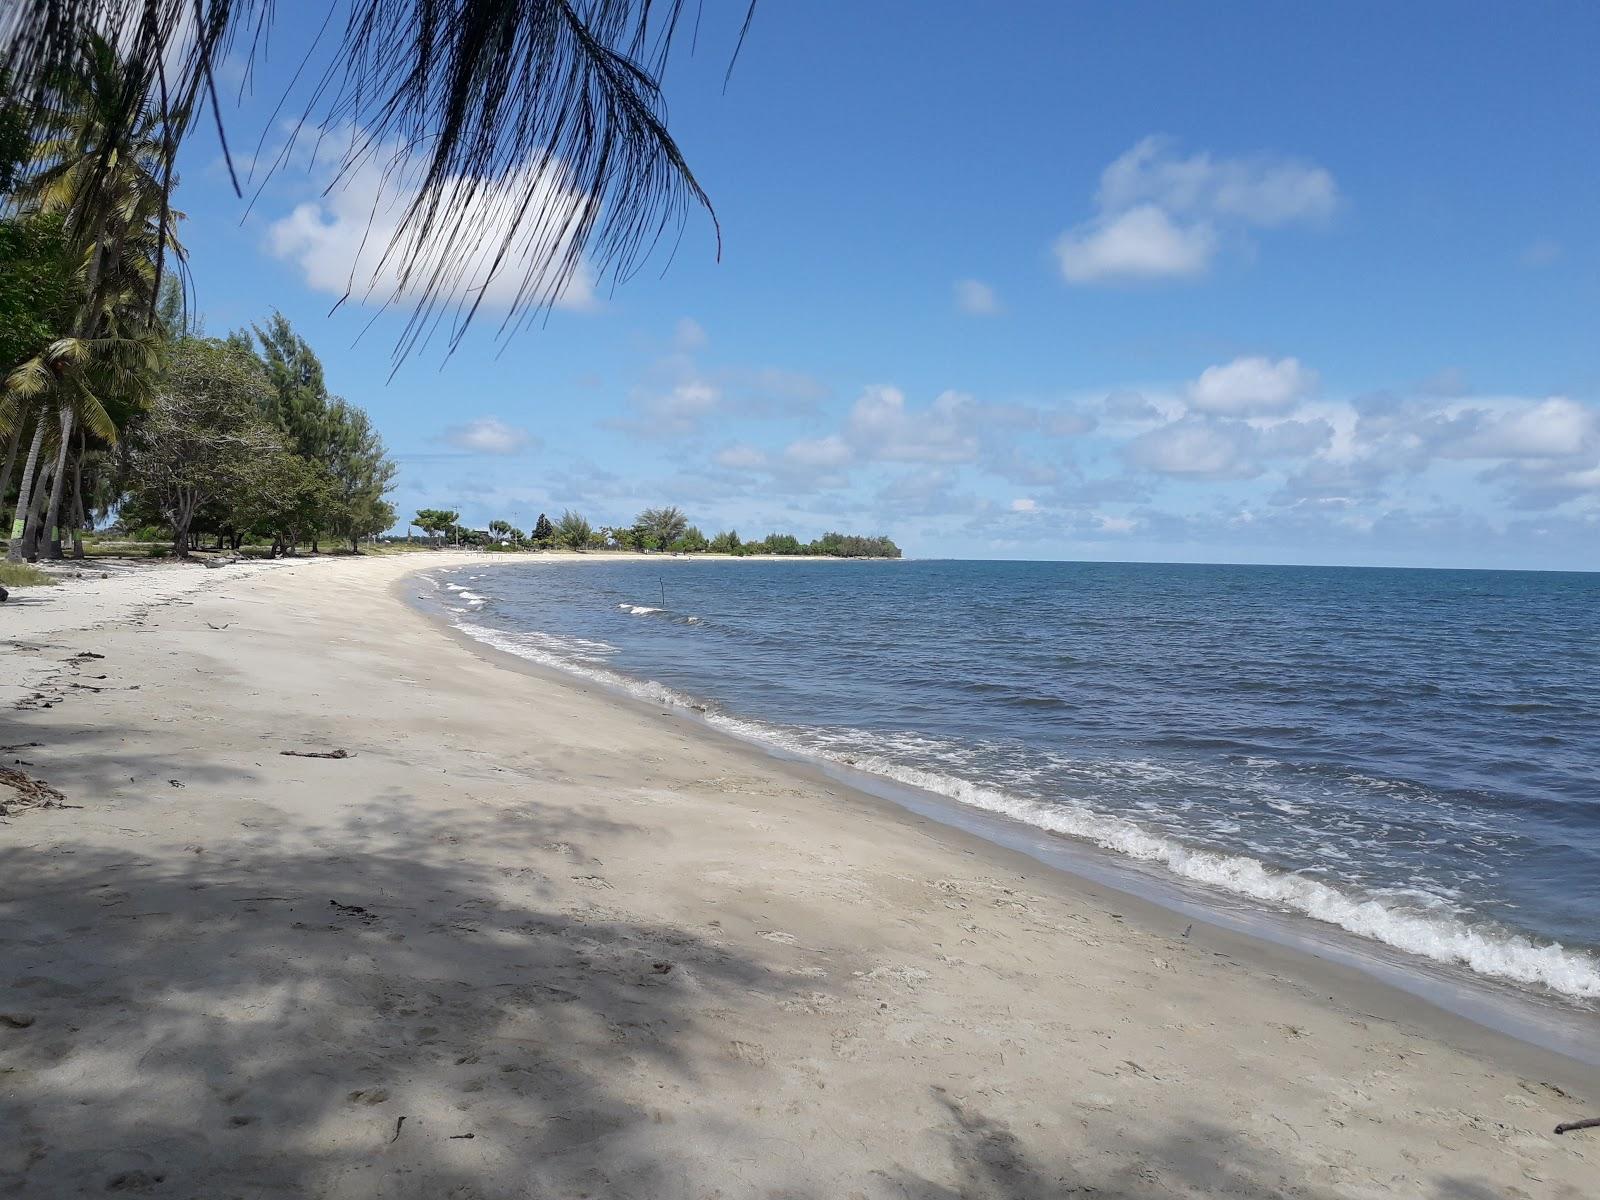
111,400
665,530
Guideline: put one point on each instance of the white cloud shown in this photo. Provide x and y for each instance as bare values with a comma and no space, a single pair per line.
1260,191
1193,448
976,298
689,335
741,457
342,241
883,427
488,435
1163,217
1198,448
825,453
1143,243
1557,428
1251,386
1024,504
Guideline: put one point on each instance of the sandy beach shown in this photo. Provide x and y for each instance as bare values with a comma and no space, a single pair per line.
527,939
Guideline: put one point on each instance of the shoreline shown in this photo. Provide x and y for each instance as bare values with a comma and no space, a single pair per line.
631,958
1555,1024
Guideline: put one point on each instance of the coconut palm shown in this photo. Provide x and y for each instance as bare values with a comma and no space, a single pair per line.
544,116
101,162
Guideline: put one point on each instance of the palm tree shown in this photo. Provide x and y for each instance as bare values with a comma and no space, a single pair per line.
102,163
496,99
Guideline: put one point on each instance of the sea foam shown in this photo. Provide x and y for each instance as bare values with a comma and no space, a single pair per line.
1439,936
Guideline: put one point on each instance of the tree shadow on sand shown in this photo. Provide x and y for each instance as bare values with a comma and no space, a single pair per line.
1145,1157
294,1023
362,1010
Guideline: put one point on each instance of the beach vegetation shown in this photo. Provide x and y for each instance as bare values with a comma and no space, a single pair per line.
18,575
202,441
437,523
573,530
110,402
658,528
691,542
544,533
88,196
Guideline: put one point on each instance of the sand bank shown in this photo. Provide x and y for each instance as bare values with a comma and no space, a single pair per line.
531,941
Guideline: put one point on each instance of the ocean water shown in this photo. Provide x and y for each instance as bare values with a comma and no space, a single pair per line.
1413,756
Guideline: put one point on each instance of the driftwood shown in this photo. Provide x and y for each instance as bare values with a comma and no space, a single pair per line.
27,791
316,753
1591,1123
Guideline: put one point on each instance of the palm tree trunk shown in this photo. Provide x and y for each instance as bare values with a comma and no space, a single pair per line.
78,515
30,536
25,493
59,484
12,445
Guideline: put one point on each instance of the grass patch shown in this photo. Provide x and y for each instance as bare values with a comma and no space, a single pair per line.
23,575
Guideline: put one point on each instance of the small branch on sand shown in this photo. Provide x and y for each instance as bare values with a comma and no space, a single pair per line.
28,791
317,753
398,1121
1591,1123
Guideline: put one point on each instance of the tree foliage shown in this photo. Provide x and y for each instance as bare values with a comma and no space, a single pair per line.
202,440
573,530
658,528
436,521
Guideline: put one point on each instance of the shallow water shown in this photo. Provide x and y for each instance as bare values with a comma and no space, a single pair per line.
1413,756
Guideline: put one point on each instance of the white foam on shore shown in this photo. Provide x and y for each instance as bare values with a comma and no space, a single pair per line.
1440,936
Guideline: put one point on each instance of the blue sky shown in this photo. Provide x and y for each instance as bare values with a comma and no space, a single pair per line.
1243,283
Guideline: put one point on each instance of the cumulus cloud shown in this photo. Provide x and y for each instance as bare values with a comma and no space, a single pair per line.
1142,243
826,453
1201,448
342,241
1557,428
882,427
1128,405
1261,190
976,298
1163,216
1251,386
488,435
741,457
679,396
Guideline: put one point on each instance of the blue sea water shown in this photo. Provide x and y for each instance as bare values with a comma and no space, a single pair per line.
1413,756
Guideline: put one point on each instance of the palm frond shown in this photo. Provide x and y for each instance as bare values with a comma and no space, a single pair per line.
495,99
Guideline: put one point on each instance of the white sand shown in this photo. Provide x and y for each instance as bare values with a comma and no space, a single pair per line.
628,958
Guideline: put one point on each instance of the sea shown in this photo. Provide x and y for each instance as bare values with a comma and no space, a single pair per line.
1409,756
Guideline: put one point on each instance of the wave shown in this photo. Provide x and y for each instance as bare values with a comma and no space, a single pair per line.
1442,937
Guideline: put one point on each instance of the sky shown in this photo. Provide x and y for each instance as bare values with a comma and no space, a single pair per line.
1122,281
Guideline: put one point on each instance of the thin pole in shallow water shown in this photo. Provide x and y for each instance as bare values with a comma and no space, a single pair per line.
662,581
